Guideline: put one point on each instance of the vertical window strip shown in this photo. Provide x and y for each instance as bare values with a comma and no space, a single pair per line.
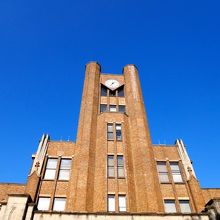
162,171
175,169
111,203
120,166
122,203
59,204
43,203
110,135
110,166
65,167
170,206
118,132
104,90
185,206
51,167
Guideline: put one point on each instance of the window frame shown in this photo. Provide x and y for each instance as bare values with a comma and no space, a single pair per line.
166,201
112,108
188,203
124,108
111,196
47,169
110,131
163,173
41,198
118,130
125,203
176,173
59,198
101,108
110,167
65,169
120,167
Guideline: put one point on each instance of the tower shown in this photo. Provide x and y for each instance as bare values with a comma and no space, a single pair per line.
112,170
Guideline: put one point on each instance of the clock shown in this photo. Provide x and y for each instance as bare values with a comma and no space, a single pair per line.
112,83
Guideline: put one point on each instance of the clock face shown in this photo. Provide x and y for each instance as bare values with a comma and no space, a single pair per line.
112,83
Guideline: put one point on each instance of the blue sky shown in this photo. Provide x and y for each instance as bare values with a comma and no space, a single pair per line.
44,46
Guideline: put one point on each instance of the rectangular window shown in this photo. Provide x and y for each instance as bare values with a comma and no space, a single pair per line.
185,206
121,108
50,169
112,108
112,93
177,178
120,166
65,167
110,164
162,171
121,91
122,203
110,134
43,203
59,204
118,132
170,206
103,91
103,108
111,203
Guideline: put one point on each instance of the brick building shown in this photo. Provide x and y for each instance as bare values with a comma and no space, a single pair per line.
112,171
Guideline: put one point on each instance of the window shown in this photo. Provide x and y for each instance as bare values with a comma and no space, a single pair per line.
118,132
110,134
185,206
122,203
170,206
50,169
162,172
110,164
111,203
121,108
112,108
121,91
120,166
177,178
43,203
103,108
103,91
59,204
65,166
112,93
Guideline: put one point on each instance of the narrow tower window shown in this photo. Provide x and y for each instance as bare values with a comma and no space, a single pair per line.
162,171
111,203
121,108
170,206
120,166
110,135
118,132
103,108
110,164
50,169
122,203
65,166
103,91
112,93
175,169
112,108
121,91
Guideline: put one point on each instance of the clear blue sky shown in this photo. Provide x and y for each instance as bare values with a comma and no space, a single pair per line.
44,46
